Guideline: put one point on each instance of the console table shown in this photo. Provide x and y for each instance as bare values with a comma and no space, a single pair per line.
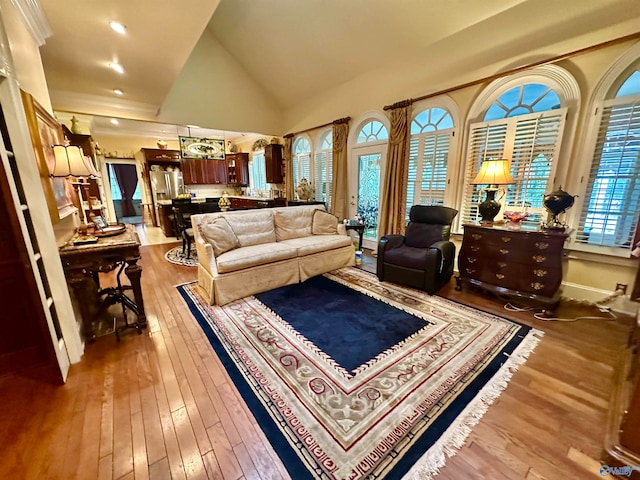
83,263
522,264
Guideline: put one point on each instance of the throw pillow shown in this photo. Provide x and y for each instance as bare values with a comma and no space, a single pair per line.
219,234
324,223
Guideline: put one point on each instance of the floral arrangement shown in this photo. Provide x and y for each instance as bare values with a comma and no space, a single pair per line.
224,202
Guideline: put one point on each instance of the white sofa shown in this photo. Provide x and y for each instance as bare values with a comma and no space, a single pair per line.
244,252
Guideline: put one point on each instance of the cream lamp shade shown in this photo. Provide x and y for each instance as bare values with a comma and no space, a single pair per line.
494,172
70,162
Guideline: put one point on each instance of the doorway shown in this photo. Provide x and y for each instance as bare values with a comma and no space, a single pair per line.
123,190
366,167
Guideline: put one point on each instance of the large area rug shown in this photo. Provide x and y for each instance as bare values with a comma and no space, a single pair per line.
351,378
176,256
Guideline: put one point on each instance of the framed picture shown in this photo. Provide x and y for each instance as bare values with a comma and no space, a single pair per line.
99,222
208,148
45,132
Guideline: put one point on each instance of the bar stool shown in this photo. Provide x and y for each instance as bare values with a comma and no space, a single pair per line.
147,213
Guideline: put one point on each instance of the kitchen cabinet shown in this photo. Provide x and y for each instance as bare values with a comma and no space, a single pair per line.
196,171
238,165
273,163
165,220
524,265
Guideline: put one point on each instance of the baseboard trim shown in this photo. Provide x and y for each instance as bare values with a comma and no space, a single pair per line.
621,304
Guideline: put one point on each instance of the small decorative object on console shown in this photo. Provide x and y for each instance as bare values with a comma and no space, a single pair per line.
556,203
303,190
224,202
516,217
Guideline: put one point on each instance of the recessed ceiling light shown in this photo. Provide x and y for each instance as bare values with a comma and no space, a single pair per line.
114,121
118,27
117,91
117,67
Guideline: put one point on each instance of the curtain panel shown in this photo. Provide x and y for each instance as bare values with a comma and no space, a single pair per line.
287,154
127,178
339,182
392,203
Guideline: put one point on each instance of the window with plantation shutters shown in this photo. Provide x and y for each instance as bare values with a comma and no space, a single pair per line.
431,132
609,216
531,143
301,161
323,167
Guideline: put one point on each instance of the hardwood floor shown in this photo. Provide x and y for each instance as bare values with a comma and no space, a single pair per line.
160,405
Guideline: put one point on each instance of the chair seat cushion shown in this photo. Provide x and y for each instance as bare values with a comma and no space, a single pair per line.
317,243
406,256
253,256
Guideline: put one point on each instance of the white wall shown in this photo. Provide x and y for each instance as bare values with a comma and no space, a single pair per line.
230,100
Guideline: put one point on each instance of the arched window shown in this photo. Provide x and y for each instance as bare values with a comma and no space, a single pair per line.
523,119
372,132
431,132
301,160
611,205
323,168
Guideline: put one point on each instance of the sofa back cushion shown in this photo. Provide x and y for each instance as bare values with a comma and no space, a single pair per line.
293,222
324,223
252,227
219,234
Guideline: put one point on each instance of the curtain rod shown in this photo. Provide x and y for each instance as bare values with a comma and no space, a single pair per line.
529,66
335,122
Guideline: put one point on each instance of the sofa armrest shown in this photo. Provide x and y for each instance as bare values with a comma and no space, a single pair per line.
342,230
206,257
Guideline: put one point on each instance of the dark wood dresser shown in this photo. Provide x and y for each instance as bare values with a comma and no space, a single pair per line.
522,264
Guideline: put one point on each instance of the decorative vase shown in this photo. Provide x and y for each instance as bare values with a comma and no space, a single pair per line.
303,190
556,203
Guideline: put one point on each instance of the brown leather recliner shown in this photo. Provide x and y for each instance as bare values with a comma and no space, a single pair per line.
423,257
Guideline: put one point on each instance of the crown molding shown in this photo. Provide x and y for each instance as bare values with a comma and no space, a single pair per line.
35,19
106,106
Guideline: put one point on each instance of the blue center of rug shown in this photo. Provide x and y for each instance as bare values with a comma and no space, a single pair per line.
347,325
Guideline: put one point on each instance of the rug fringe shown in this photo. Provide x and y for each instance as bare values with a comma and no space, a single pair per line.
456,435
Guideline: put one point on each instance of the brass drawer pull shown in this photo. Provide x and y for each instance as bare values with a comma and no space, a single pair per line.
474,248
476,236
539,258
499,276
472,259
537,286
504,251
539,272
470,270
542,245
506,239
502,264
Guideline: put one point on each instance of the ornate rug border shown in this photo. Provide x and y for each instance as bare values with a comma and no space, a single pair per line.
421,466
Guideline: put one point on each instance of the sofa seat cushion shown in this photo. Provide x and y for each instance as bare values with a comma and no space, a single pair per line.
317,243
252,227
253,256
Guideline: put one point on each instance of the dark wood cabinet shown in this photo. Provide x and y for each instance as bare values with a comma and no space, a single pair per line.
196,171
273,163
158,156
165,220
238,165
522,264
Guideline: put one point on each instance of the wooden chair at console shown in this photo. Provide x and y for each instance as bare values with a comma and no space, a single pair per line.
183,229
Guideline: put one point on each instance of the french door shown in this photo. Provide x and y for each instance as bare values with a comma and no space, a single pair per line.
365,172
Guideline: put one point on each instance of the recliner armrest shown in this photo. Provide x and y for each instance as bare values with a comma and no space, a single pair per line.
448,251
387,242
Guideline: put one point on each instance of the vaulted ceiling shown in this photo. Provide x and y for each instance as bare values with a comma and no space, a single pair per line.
291,49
